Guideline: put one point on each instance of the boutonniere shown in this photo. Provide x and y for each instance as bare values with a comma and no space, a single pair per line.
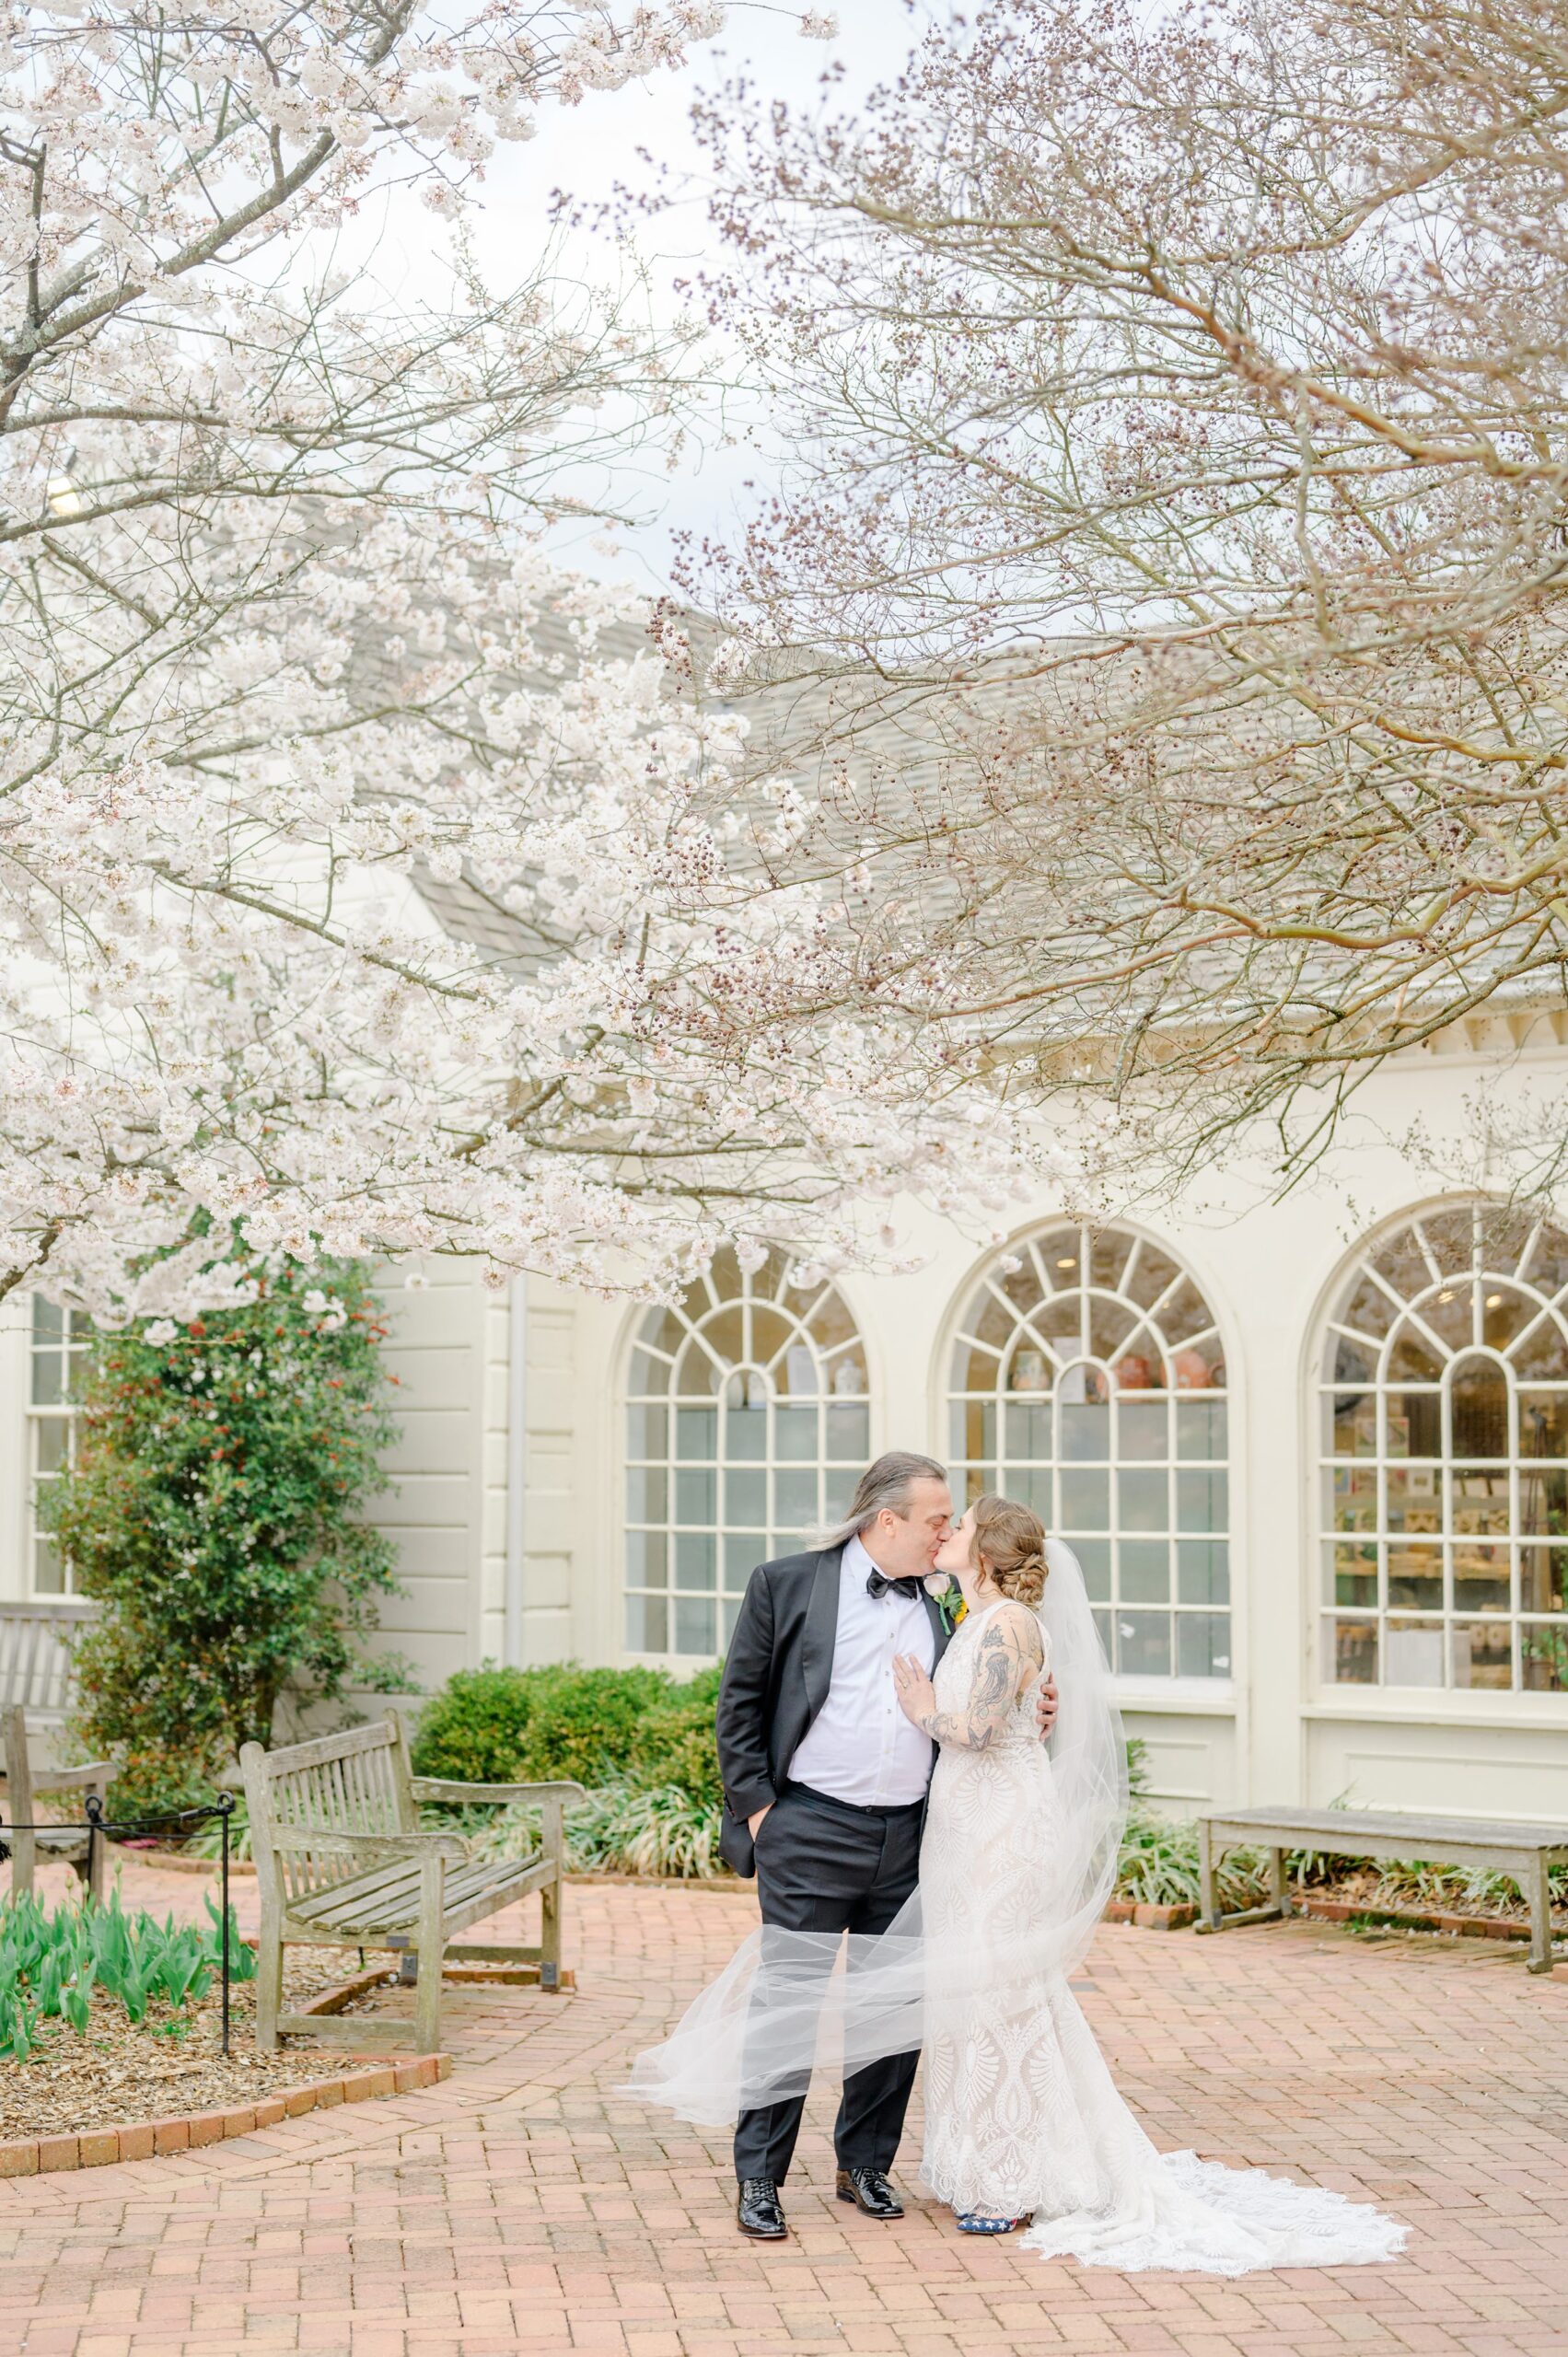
948,1598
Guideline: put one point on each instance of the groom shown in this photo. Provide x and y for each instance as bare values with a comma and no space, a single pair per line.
825,1783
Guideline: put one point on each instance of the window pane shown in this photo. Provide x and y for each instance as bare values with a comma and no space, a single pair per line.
1356,1498
1355,1423
1416,1576
47,1577
696,1433
849,1435
1351,1653
1144,1429
795,1499
1414,1654
1201,1428
742,1553
1354,1574
1086,1500
696,1496
1203,1500
795,1432
648,1495
1094,1554
51,1443
745,1432
1544,1579
1143,1644
1143,1501
1543,1500
1202,1645
647,1626
1414,1424
1545,1650
1145,1571
48,1322
1027,1431
694,1626
696,1557
1085,1433
729,1613
1543,1423
1477,1502
1202,1571
48,1383
1481,1582
745,1500
1482,1654
1414,1498
1032,1487
646,1559
1478,1408
648,1431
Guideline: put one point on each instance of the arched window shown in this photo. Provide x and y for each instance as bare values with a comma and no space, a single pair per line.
1445,1449
1087,1378
747,1422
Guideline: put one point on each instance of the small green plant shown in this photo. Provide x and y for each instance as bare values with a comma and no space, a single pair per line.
621,1828
51,1963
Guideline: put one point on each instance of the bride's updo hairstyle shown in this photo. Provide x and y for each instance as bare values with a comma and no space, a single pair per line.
1009,1542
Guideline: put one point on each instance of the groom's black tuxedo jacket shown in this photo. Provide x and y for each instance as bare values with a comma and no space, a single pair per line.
776,1676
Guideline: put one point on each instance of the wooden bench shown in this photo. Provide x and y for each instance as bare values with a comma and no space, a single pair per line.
21,1779
341,1861
35,1654
35,1695
1523,1852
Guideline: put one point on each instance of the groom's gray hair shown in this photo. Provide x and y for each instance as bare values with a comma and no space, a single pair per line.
890,1482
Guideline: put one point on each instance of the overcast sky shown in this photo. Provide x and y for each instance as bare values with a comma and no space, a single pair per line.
585,151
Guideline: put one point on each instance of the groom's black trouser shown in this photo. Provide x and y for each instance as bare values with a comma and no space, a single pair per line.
823,1866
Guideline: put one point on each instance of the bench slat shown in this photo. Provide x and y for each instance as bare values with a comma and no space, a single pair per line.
1346,1830
393,1903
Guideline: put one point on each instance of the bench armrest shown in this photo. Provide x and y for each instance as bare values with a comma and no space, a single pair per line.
416,1847
76,1779
445,1788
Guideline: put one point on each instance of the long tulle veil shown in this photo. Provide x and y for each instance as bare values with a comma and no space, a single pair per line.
788,2001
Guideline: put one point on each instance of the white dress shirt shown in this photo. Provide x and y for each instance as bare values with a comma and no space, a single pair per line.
859,1747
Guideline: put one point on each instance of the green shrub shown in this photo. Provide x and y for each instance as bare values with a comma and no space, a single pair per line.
621,1828
215,1513
674,1744
496,1727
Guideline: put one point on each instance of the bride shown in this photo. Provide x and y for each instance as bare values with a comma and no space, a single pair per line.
1024,2128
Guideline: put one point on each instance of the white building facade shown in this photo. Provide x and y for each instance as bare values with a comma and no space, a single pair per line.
1312,1453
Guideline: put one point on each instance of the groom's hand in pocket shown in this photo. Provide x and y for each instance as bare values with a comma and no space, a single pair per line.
754,1821
1045,1708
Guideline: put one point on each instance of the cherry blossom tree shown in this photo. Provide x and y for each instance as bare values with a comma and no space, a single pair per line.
1177,404
283,653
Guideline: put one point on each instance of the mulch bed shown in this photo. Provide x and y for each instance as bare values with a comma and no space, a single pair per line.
118,2073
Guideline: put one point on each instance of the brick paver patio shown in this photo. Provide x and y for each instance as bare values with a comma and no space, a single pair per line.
522,2206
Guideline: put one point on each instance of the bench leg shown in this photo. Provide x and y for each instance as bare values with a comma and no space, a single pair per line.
268,1992
1539,1892
431,1941
1207,1904
1278,1895
553,1834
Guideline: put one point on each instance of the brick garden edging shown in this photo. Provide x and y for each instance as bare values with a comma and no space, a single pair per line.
93,2148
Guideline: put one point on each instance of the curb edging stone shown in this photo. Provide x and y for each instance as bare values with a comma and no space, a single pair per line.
145,2140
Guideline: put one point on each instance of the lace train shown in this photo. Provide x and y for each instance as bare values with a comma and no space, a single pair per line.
1021,2111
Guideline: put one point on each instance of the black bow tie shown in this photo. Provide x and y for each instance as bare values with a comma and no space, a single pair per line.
877,1583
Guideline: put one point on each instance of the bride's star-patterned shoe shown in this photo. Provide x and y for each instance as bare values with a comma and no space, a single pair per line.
972,2222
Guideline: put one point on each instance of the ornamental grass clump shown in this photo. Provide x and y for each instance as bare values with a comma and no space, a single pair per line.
216,1515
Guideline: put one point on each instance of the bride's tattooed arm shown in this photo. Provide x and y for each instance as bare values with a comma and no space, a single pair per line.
1009,1655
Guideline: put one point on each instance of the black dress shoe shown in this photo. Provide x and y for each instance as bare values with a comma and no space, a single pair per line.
870,2191
757,2210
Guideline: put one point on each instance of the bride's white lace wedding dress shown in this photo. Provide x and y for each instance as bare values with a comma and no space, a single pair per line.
1021,2114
